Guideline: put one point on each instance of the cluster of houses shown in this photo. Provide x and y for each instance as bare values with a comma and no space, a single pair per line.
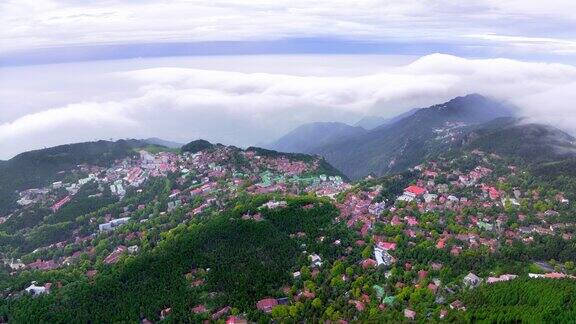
433,207
211,177
438,211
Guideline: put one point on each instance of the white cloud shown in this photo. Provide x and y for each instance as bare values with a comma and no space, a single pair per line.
534,44
30,24
251,103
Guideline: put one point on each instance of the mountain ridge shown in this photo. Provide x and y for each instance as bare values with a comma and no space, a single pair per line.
298,140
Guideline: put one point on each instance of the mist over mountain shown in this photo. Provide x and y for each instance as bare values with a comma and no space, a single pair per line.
308,137
516,137
371,122
410,139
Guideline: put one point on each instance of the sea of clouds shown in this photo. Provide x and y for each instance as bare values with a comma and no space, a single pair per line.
250,100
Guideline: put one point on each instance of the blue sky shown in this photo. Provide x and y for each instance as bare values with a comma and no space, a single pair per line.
245,72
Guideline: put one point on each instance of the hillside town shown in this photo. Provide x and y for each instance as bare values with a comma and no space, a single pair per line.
203,182
405,233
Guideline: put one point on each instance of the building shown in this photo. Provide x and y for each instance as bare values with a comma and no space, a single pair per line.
471,280
414,191
112,224
316,260
383,257
36,290
409,314
265,305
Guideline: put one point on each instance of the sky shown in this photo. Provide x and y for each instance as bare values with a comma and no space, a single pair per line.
246,72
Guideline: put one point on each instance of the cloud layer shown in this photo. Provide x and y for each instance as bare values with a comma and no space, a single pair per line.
254,104
504,25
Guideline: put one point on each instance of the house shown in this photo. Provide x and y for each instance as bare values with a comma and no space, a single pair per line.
414,191
43,265
493,193
91,273
443,313
504,277
112,224
115,255
16,265
316,260
236,320
221,312
265,305
430,197
411,221
409,314
485,226
433,287
368,263
471,280
165,313
457,305
37,290
199,309
383,257
387,245
405,198
275,204
453,199
422,274
60,203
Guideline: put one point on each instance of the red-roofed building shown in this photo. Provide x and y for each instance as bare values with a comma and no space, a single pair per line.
414,191
60,203
387,245
441,243
221,312
422,274
433,287
369,263
411,221
114,256
409,314
236,320
266,304
199,309
91,273
493,193
43,265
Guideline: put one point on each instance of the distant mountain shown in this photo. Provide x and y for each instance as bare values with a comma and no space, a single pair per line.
308,137
532,142
406,142
371,122
161,142
40,167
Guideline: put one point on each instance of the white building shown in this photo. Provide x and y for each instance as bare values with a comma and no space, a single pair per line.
36,290
471,280
383,257
112,224
316,260
430,197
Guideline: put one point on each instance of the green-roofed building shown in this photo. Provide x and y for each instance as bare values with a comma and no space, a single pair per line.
389,300
379,291
485,226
